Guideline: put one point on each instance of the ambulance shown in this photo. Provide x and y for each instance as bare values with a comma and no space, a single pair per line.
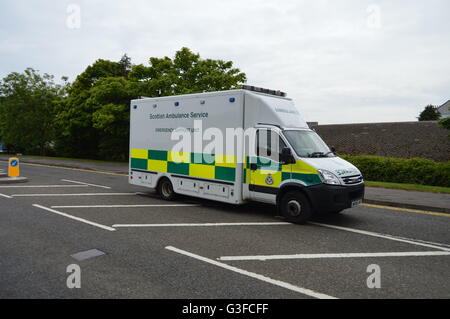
239,146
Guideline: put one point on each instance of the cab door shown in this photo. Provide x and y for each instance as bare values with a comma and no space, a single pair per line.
265,170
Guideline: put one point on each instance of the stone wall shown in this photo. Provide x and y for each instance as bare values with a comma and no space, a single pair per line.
401,139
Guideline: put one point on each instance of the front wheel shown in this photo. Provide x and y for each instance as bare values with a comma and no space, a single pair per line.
165,189
295,207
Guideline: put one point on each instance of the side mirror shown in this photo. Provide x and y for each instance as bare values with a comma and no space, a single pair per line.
286,156
333,149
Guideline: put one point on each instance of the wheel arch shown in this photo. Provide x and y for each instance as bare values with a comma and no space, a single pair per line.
161,178
291,186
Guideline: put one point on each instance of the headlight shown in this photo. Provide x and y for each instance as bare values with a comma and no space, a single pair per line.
328,177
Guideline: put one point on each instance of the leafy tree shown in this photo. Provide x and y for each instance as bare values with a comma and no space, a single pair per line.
27,110
186,73
94,120
445,123
430,113
112,119
78,136
125,65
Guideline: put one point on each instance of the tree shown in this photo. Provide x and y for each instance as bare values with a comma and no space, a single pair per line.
430,113
27,110
186,73
77,134
94,119
125,65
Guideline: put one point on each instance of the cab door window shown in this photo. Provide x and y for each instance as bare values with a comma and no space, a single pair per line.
269,145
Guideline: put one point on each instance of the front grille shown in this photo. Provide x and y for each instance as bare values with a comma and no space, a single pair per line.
350,180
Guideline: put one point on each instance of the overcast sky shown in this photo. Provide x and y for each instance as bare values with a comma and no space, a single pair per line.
343,61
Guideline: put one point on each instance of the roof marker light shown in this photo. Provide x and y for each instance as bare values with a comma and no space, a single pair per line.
177,103
262,90
232,99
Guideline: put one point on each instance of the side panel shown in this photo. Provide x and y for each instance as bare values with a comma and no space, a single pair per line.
266,109
264,183
201,168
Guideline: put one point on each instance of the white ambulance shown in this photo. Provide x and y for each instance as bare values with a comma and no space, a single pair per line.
238,146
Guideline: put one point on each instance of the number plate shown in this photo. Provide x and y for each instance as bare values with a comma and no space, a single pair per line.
356,202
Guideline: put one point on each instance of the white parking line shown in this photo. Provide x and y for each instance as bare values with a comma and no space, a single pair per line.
84,194
275,282
390,237
203,224
75,218
127,206
83,183
44,186
6,196
343,255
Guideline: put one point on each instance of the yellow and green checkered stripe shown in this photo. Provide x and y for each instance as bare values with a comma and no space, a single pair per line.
209,166
279,173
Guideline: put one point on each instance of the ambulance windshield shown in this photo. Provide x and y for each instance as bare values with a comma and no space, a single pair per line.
307,143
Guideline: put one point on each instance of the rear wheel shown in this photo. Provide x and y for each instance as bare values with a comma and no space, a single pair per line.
295,207
165,189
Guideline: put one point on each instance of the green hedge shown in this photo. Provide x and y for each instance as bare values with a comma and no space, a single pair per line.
398,170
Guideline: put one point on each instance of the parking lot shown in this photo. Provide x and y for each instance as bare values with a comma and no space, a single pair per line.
194,248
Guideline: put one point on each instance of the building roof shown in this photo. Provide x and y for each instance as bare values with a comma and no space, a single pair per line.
444,109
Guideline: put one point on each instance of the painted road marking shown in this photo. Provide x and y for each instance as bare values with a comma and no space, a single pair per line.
203,224
407,210
76,169
120,174
127,206
43,186
343,255
275,282
84,194
6,196
75,218
385,236
87,184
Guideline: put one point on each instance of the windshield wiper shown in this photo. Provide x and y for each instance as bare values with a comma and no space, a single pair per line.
316,154
320,154
330,152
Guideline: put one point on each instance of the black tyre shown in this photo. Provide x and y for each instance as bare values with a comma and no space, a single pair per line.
336,212
165,189
295,207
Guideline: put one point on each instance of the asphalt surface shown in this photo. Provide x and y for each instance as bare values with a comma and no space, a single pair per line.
408,199
195,255
373,195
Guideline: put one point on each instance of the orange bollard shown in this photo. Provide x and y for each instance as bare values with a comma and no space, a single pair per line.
13,167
